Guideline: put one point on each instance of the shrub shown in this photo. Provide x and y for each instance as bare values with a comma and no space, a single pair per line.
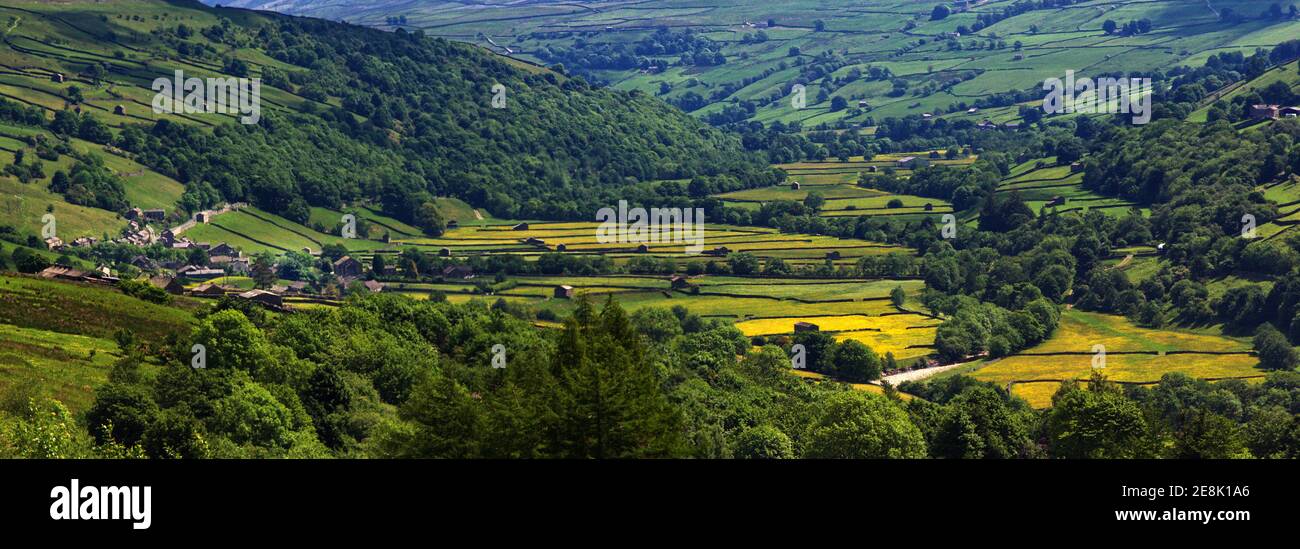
144,291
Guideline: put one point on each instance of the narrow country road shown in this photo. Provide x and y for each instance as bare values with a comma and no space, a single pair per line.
918,375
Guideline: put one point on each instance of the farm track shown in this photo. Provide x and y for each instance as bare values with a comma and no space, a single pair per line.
757,201
917,375
817,281
1090,208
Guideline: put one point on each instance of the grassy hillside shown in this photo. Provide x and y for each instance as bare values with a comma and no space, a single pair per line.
839,183
22,205
62,366
1133,354
57,339
87,310
939,71
414,124
1288,74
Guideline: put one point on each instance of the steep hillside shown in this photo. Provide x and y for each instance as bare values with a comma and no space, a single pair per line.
348,115
859,61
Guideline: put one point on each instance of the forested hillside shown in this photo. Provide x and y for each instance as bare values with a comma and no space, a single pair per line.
355,114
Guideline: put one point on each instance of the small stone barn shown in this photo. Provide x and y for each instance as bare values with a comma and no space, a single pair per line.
806,327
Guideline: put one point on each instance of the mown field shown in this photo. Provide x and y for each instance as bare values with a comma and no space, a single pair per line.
582,238
908,336
763,305
1133,354
838,183
253,231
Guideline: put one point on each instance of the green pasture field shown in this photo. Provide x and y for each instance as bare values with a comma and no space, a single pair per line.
1133,354
1038,182
63,366
1219,286
255,231
90,310
1288,73
735,307
23,205
837,182
719,296
1139,268
579,237
44,38
787,192
379,223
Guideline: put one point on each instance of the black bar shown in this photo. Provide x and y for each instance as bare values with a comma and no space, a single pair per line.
309,499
